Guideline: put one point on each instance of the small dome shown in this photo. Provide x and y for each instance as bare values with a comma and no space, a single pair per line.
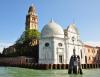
72,28
52,29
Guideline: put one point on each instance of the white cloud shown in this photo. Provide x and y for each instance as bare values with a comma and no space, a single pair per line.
4,45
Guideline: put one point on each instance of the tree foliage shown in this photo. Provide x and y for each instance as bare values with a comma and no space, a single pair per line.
32,34
28,35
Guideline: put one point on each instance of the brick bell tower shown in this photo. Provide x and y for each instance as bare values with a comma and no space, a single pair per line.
31,19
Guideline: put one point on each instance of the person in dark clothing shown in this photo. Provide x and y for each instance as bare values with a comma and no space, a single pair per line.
75,65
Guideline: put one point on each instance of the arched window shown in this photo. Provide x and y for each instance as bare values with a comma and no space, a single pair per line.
89,58
88,50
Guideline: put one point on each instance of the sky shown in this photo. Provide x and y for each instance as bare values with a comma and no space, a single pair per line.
84,13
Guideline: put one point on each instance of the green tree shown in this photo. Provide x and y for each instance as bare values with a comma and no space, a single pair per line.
32,34
28,35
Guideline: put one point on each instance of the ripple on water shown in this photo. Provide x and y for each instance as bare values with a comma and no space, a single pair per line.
3,72
23,72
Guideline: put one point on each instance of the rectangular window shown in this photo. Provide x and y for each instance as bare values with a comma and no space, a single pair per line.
60,59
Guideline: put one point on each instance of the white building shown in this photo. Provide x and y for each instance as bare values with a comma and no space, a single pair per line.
56,45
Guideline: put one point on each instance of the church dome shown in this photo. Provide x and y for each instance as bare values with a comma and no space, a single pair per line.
52,29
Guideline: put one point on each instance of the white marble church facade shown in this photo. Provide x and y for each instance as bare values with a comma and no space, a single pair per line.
56,45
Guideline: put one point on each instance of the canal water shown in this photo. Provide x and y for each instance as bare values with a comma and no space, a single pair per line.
23,72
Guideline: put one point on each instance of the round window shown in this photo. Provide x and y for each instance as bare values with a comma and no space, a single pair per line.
46,44
60,44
